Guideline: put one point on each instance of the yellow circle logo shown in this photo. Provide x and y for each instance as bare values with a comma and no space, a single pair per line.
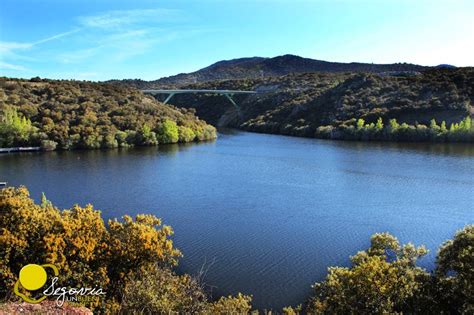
32,277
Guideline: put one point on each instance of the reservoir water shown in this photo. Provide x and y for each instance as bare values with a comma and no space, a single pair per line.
267,215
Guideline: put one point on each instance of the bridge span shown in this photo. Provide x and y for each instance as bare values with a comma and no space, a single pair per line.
226,93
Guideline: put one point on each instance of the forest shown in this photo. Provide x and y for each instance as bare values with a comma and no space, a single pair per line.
299,104
134,260
84,115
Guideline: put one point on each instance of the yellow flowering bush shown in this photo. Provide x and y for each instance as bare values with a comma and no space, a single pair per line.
77,241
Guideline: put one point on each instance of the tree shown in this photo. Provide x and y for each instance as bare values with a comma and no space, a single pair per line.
433,125
241,304
443,128
15,129
147,137
160,291
394,124
186,134
360,123
381,280
168,132
455,273
379,124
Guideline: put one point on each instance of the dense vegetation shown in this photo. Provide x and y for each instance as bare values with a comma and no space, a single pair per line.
120,257
462,131
71,114
257,67
385,280
133,260
298,104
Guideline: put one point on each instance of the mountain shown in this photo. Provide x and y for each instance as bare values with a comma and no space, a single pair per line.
258,67
445,66
300,104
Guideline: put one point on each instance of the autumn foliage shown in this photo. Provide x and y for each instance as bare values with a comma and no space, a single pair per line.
131,259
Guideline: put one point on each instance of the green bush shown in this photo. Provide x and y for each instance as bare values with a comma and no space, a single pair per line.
48,145
168,132
160,291
15,129
385,280
186,134
455,273
380,280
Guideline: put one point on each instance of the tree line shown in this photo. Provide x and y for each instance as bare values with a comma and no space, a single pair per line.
462,131
133,260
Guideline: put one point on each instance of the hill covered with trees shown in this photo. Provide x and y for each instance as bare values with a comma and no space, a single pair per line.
72,114
329,105
258,67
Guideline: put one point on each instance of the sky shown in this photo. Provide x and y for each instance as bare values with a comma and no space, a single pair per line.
116,39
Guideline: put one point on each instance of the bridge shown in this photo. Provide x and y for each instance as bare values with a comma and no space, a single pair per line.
226,93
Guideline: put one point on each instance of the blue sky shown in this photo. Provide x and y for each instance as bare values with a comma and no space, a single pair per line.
100,40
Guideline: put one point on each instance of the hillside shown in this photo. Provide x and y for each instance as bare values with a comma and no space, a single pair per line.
258,67
73,114
298,104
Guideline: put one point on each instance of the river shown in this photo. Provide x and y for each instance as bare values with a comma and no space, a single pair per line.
264,214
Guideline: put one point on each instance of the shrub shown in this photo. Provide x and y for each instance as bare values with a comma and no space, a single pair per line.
15,129
48,145
78,243
186,134
131,259
455,273
168,132
380,280
241,304
160,291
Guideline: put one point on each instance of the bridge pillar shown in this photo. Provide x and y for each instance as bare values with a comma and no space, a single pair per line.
168,98
229,97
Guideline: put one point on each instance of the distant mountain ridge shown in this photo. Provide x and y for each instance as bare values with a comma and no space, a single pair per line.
256,67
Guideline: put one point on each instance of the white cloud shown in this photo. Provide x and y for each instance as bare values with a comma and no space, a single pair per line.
78,55
7,47
54,37
115,19
9,66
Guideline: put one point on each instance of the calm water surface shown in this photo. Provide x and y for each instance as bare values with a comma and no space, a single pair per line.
266,215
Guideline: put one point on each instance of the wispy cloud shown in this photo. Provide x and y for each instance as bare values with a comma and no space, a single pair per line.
78,55
12,50
6,47
54,37
9,66
115,19
106,38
